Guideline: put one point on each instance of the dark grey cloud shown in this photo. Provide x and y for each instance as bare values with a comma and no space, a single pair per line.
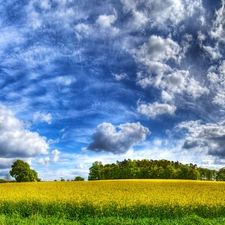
209,136
107,138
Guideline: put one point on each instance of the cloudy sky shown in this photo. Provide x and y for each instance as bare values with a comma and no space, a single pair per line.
87,80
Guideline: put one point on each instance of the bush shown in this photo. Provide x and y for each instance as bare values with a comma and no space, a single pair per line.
79,178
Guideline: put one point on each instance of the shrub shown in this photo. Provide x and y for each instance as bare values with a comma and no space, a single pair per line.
79,178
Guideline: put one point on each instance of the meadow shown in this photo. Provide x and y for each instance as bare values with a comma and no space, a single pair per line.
113,202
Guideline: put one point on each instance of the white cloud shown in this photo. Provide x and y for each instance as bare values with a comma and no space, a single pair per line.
107,138
180,81
106,21
154,54
64,80
44,161
176,82
50,141
16,140
10,36
83,30
160,14
166,97
158,49
54,158
213,77
213,53
140,19
55,155
194,88
210,137
103,27
43,117
120,77
45,4
60,13
216,77
6,163
155,109
217,31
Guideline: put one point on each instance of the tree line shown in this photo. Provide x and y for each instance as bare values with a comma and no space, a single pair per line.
22,172
152,169
128,169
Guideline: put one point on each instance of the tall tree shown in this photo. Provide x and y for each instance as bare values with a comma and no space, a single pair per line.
22,172
95,171
221,174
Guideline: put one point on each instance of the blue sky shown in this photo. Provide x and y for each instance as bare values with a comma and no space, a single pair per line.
110,80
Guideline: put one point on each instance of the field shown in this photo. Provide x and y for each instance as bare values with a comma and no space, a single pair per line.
113,202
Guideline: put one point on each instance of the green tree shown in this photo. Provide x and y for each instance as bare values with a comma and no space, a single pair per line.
95,171
221,174
79,178
22,172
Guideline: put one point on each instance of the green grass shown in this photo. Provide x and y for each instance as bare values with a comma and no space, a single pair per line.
40,220
31,212
87,210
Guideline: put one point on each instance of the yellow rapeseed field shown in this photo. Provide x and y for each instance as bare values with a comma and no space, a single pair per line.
121,192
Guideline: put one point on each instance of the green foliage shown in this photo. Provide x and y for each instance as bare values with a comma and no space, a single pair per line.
95,171
22,173
221,174
2,181
150,169
79,178
89,212
52,220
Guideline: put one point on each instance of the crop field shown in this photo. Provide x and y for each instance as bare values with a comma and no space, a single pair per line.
131,199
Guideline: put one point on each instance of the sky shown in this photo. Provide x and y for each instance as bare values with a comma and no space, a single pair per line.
91,80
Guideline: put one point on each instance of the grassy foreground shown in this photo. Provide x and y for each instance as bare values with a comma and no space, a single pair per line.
35,220
113,202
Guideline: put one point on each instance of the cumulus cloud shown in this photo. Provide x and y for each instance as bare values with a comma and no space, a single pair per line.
44,161
216,77
161,14
209,136
43,117
107,138
55,155
48,160
6,163
166,97
213,53
180,82
155,53
106,21
16,140
155,109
